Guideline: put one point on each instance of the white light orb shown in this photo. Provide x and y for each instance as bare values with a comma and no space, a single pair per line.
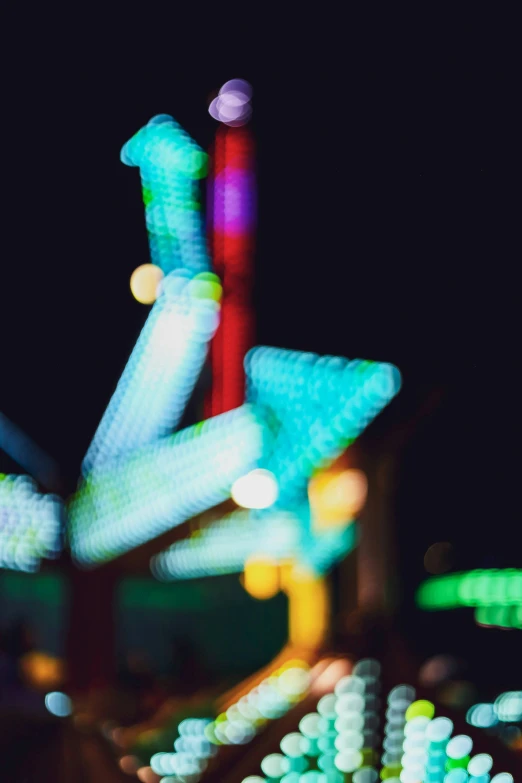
258,489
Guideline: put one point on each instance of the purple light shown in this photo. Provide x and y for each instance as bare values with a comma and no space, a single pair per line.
234,203
238,86
232,106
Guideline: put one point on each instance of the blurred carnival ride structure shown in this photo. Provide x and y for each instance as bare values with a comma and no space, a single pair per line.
269,462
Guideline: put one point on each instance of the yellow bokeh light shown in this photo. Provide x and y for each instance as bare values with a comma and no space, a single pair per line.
335,498
308,609
261,577
144,283
41,670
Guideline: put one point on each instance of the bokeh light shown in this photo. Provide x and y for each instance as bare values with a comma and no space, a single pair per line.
224,546
58,704
261,577
232,104
171,164
145,283
124,505
322,404
437,669
159,378
257,490
508,707
42,670
31,524
439,558
480,587
336,497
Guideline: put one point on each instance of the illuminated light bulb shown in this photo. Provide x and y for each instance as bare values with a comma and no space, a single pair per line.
367,668
309,726
232,105
349,740
482,716
348,760
145,282
261,577
275,765
503,777
254,779
458,775
401,694
58,704
420,708
351,721
480,764
365,775
459,747
336,498
349,684
292,745
326,706
294,682
348,703
508,706
439,730
410,775
258,489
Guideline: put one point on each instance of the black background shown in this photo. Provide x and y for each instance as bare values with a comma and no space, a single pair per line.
389,184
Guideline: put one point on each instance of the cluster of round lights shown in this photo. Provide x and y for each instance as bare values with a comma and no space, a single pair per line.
271,699
323,404
162,370
399,700
507,708
31,524
232,105
170,164
121,506
225,546
192,751
340,740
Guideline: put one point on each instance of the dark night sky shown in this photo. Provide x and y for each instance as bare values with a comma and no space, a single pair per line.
388,229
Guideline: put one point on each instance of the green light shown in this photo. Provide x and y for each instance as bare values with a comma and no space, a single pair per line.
420,708
499,616
480,588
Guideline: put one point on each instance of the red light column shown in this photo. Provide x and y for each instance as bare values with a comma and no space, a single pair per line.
232,232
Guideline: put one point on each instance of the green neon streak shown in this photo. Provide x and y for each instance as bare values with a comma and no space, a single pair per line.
480,588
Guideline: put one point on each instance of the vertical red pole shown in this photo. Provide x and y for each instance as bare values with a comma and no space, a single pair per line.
232,228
